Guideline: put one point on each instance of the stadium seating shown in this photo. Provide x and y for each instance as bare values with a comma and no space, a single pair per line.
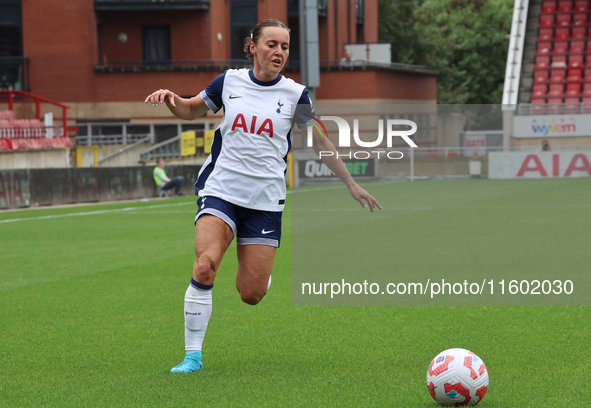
542,63
556,91
580,19
545,35
25,134
582,6
540,91
579,33
541,77
560,47
562,66
574,76
557,76
547,20
564,20
565,6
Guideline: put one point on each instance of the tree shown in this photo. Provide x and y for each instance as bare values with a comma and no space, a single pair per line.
465,40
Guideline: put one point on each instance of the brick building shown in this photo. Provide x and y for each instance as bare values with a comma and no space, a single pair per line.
102,57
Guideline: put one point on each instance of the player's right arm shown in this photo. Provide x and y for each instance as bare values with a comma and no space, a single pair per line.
182,108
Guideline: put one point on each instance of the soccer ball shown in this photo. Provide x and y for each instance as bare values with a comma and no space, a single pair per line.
457,377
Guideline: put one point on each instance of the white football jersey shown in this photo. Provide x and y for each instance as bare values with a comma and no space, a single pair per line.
248,157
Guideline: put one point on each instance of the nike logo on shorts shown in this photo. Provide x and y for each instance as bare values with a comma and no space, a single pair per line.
267,232
235,97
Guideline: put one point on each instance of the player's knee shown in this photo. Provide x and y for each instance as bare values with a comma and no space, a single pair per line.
204,269
250,296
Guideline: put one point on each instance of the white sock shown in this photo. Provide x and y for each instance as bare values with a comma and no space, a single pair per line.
197,313
269,284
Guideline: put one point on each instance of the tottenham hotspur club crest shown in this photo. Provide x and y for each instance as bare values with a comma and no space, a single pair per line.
280,105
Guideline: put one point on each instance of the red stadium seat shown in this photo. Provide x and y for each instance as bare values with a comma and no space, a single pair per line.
577,47
544,48
587,77
587,93
565,6
542,62
556,91
541,65
7,115
558,61
555,100
561,33
575,61
539,91
573,87
580,19
574,72
560,47
545,35
557,76
547,20
563,20
5,144
588,60
540,77
579,33
582,6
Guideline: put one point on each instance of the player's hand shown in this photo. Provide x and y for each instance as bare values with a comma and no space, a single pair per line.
161,96
365,199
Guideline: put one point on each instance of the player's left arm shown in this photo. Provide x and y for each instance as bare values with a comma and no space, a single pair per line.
336,165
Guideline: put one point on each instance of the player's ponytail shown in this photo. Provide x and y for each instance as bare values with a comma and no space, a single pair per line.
256,33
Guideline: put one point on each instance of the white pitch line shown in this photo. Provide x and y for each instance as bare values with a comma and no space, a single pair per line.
444,208
116,210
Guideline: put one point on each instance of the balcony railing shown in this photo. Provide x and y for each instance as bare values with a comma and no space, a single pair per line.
220,65
14,74
175,65
151,4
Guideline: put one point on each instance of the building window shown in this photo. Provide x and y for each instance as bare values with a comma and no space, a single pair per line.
12,63
322,8
243,18
156,45
360,11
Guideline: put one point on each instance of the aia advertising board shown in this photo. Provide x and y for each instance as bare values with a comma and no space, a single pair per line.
507,165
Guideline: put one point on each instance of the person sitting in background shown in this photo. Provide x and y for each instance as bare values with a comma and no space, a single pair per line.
545,147
164,183
348,60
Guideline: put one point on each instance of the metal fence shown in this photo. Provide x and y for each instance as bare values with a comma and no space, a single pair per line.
525,109
117,133
166,150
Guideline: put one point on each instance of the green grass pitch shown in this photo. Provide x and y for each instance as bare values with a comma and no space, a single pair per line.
91,314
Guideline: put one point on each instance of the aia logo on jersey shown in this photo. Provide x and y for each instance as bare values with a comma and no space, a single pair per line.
265,127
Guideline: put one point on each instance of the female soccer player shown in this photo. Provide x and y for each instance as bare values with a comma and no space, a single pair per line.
241,185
